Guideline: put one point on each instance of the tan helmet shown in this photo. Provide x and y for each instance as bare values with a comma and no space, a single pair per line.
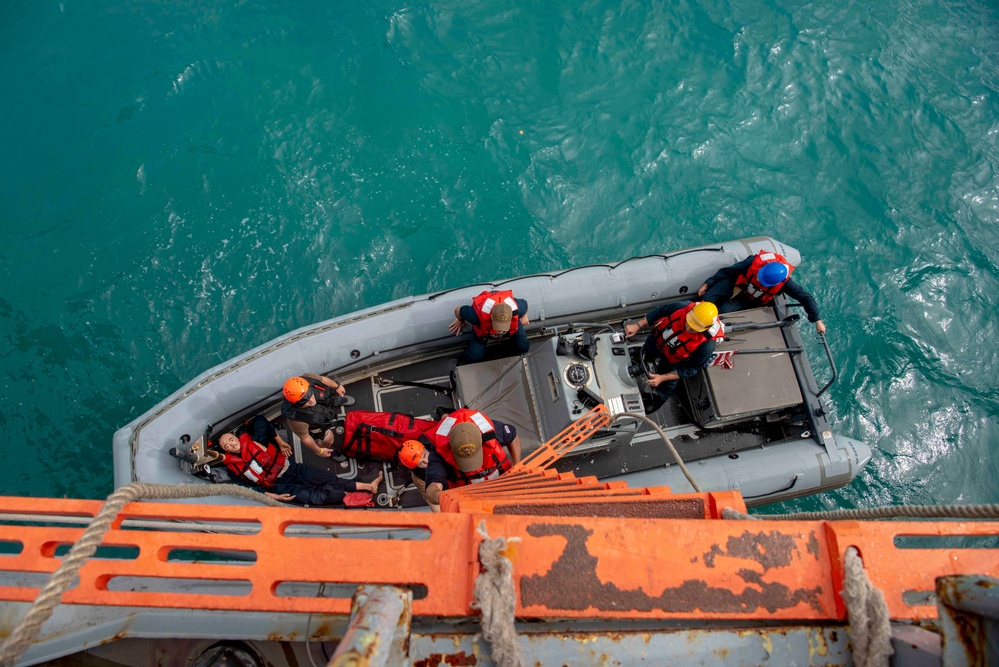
466,445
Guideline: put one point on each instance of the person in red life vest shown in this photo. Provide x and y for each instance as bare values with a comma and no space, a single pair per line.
754,282
683,338
310,406
431,473
260,459
472,444
492,316
465,447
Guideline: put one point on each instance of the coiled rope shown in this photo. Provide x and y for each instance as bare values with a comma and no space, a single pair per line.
41,609
669,443
495,596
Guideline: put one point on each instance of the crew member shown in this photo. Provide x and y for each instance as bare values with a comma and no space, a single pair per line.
472,443
260,459
493,316
681,343
754,282
429,469
466,447
310,406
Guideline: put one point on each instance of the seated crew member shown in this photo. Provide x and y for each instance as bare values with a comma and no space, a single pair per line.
260,459
754,282
493,316
681,344
430,471
310,403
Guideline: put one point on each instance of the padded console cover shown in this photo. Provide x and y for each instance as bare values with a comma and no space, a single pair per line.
500,390
758,383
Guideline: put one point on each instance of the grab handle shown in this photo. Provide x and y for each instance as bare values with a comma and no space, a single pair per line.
832,365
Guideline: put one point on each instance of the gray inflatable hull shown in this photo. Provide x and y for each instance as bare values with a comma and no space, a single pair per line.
352,345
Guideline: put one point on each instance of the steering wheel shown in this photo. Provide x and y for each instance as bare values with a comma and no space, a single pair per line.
643,379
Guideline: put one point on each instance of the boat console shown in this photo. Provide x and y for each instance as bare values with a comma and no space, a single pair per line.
566,374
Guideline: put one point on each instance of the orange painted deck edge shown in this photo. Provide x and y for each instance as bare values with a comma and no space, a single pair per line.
566,567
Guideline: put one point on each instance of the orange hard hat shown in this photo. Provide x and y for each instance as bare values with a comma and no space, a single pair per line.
411,453
297,389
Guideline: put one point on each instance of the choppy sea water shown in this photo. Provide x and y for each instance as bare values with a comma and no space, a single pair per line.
180,182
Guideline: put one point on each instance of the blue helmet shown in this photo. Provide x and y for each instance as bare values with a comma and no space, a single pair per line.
773,273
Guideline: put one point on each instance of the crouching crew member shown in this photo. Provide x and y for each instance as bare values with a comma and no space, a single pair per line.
260,459
466,447
754,282
473,444
493,316
430,471
682,341
310,406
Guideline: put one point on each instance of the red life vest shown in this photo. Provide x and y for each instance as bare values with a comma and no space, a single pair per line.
750,281
255,463
483,307
675,342
495,460
379,435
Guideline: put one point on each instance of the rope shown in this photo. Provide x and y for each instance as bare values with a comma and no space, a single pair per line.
669,443
495,595
866,613
24,634
901,512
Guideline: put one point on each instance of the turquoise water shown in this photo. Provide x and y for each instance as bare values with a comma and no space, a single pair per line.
183,181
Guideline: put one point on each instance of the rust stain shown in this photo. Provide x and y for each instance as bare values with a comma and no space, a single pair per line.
687,508
324,629
817,643
813,545
770,550
459,659
967,629
573,584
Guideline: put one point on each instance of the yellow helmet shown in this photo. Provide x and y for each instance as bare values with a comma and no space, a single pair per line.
702,315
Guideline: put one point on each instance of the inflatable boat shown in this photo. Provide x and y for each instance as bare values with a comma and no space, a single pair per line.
756,424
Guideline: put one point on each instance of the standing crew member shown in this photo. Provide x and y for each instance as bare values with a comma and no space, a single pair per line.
310,406
754,282
493,316
682,341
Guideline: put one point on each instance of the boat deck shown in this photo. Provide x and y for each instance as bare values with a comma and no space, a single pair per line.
500,390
